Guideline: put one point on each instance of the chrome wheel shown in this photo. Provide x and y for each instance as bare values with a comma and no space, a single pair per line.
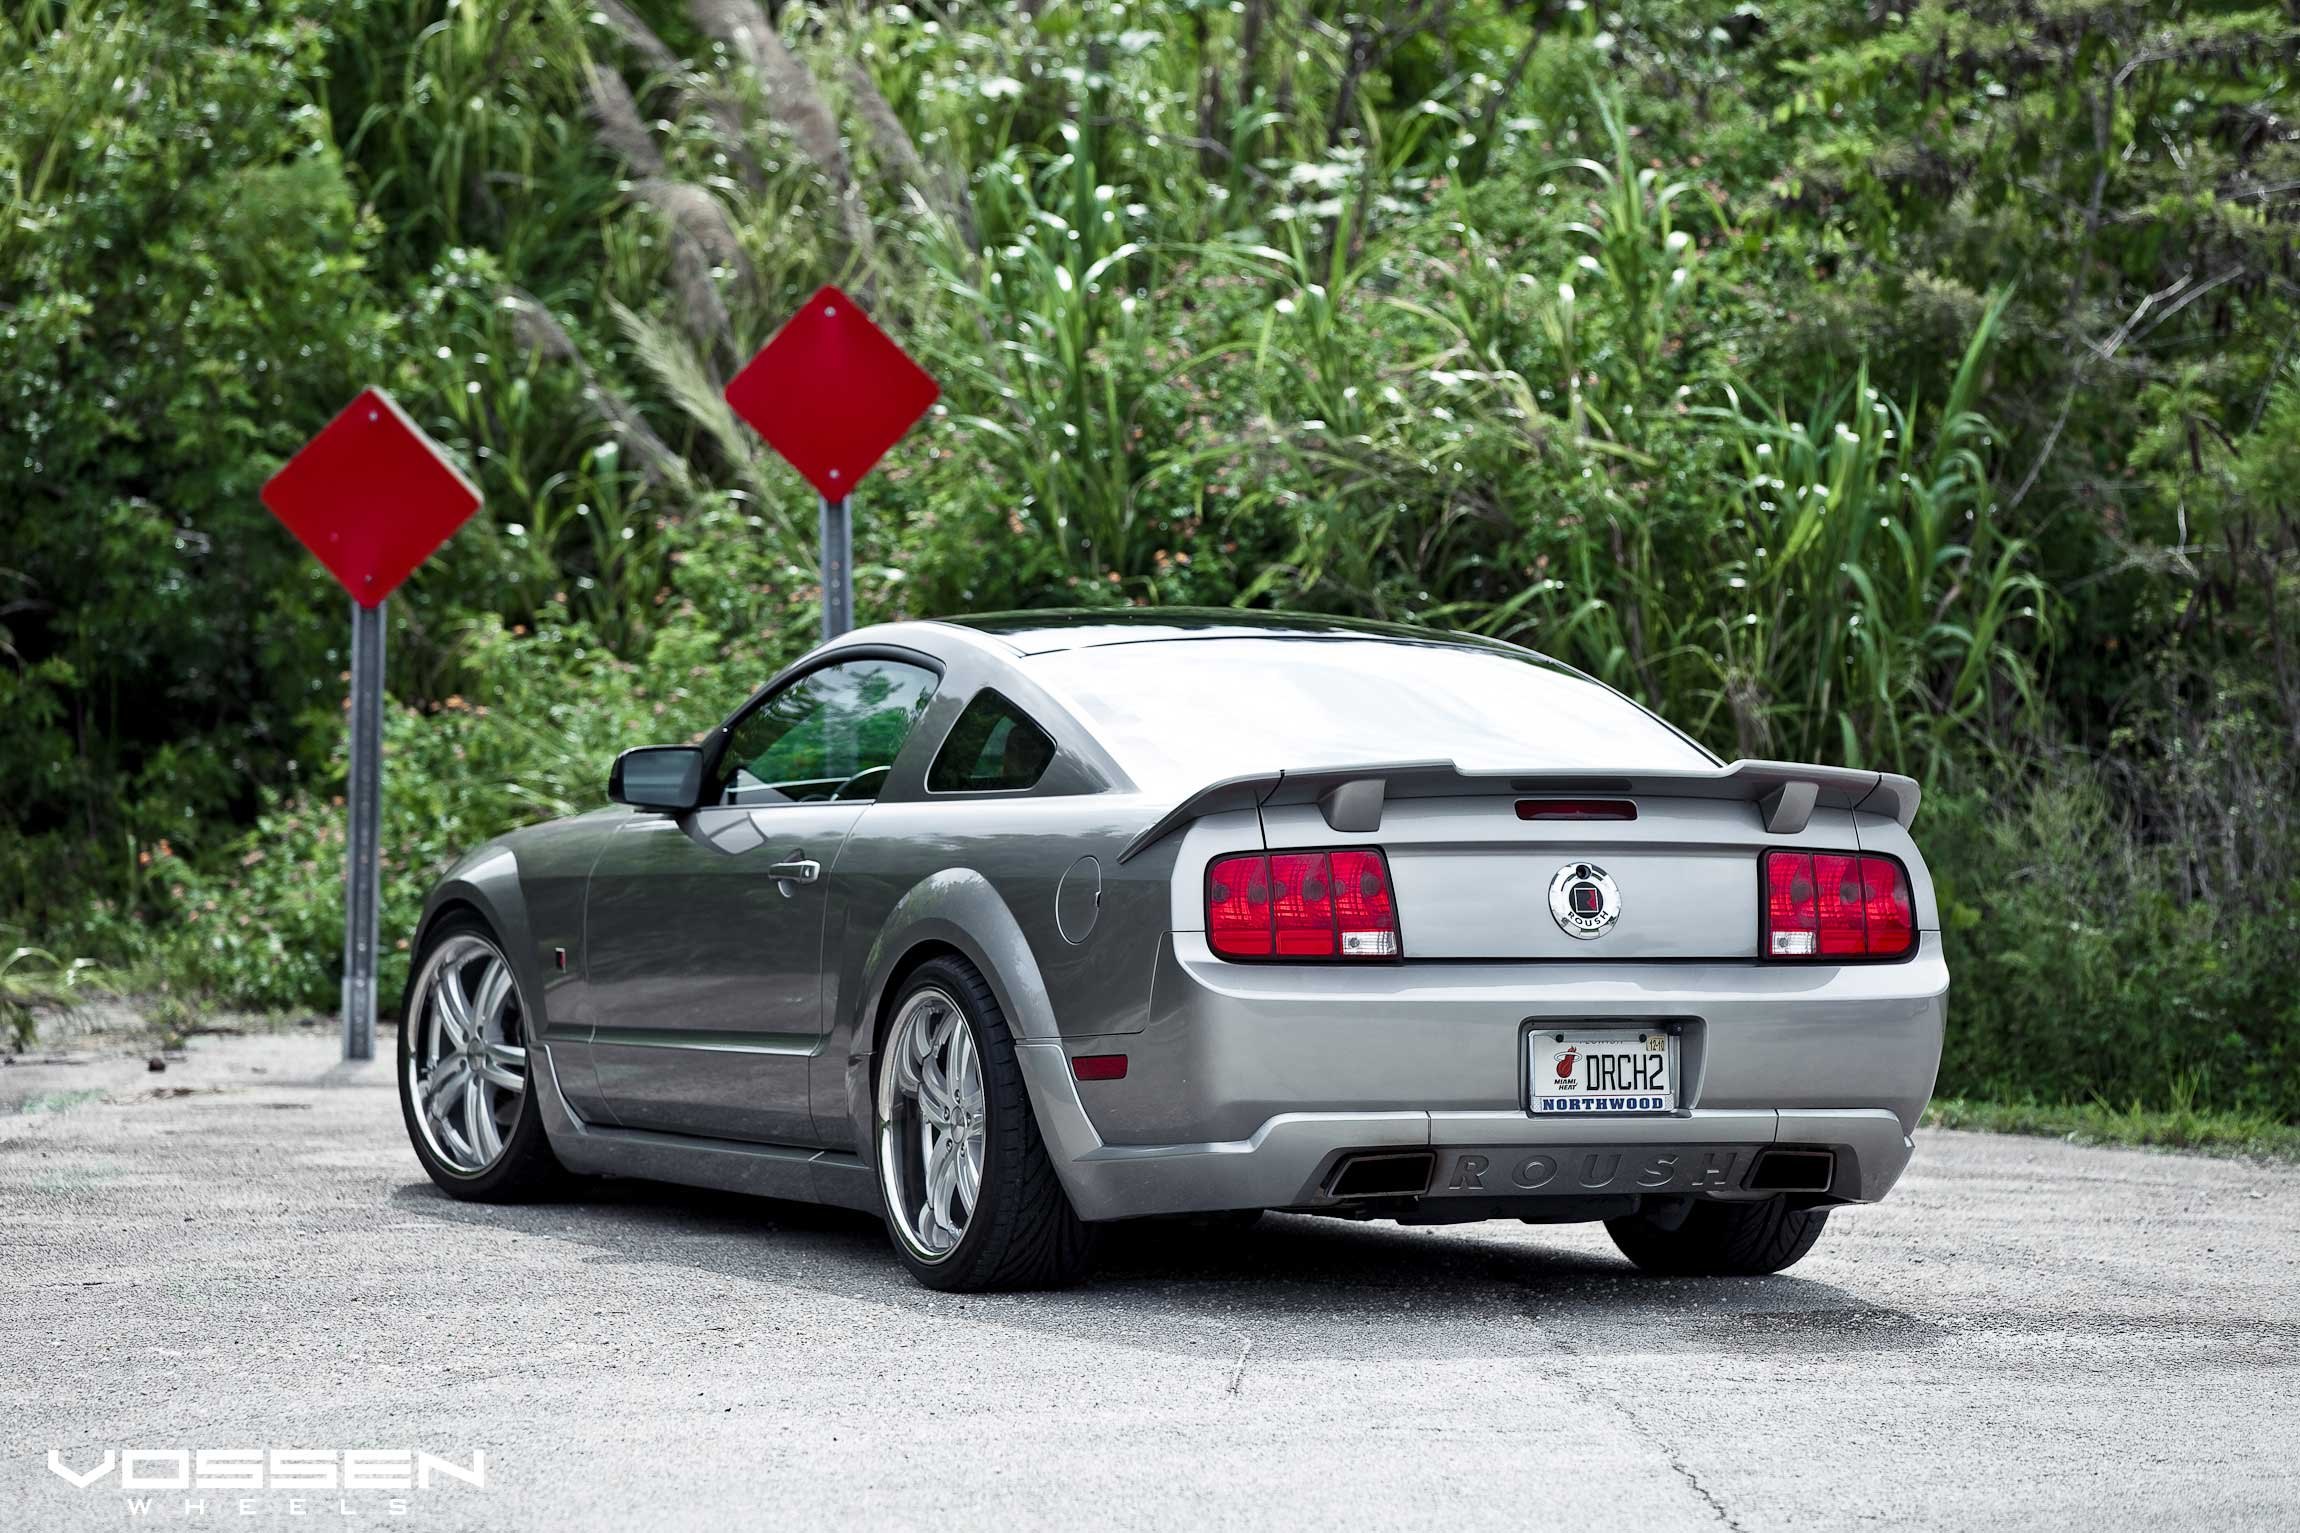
930,1123
466,1062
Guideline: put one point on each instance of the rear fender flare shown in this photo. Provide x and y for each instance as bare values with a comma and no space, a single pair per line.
955,908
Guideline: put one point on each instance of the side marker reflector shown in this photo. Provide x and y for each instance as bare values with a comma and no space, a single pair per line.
1099,1067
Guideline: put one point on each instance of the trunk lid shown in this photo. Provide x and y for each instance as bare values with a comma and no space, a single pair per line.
1473,880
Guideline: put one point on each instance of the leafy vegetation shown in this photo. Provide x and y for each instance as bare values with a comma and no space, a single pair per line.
1909,385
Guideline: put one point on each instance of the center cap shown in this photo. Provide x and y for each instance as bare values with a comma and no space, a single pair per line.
1583,900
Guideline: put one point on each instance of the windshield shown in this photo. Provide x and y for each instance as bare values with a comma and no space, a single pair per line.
1188,712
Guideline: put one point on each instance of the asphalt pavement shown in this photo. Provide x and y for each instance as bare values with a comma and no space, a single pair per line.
241,1253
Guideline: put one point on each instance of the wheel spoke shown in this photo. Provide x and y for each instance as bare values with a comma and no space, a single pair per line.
444,1085
494,993
445,1114
505,1065
934,1101
479,1123
906,1073
942,1185
921,1039
968,1161
961,1062
455,1022
939,1042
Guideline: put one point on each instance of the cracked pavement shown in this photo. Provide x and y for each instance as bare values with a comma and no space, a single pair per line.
243,1253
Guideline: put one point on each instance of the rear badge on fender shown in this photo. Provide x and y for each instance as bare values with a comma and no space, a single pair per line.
1584,900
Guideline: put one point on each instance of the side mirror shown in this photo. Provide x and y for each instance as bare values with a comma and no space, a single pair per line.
667,777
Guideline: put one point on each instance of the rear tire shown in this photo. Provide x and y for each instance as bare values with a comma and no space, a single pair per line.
1722,1239
952,1115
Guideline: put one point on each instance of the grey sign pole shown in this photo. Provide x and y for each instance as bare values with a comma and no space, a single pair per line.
838,566
362,873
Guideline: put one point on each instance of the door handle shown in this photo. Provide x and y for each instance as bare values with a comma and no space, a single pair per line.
801,870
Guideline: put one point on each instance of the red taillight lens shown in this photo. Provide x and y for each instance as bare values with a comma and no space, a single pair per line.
1302,905
1837,895
1836,905
1892,914
1238,907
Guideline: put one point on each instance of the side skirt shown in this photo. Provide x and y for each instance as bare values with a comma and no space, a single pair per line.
835,1177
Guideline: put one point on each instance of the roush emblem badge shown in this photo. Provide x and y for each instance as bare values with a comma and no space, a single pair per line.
1584,900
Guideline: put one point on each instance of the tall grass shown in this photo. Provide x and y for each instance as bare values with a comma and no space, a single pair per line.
1038,317
1852,600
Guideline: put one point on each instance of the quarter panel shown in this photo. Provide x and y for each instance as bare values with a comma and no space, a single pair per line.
983,876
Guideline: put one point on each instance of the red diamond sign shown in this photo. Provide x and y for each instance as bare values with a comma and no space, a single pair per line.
371,496
831,393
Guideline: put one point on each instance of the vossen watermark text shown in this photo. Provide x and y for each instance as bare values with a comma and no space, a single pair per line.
354,1475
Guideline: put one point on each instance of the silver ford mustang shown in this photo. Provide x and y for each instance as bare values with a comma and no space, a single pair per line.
1009,927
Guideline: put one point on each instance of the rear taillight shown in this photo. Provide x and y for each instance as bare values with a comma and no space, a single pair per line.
1302,905
1836,905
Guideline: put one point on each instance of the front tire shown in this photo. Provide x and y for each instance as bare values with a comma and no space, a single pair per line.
972,1202
1722,1239
464,1086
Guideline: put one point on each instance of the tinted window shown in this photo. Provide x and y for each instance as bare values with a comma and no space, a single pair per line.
1186,712
833,732
992,748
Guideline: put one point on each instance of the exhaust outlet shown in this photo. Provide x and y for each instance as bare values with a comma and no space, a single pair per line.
1383,1174
1793,1171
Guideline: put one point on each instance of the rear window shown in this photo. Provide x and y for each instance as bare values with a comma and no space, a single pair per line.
1189,711
993,748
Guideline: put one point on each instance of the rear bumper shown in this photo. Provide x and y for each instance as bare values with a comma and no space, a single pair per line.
1250,1085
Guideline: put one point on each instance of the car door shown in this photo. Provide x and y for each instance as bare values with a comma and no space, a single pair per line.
704,931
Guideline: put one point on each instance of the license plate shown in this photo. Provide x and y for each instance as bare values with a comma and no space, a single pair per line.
1608,1072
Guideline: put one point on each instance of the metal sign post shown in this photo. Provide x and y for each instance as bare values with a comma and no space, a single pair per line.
832,392
372,497
363,881
838,531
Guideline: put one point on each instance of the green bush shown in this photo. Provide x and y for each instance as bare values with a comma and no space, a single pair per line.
2082,973
263,924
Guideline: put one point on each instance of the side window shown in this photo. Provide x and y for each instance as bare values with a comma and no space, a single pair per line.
831,734
993,747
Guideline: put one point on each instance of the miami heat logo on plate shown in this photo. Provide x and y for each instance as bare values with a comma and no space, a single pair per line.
1583,900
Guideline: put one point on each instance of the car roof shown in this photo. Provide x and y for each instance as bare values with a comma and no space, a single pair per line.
1050,631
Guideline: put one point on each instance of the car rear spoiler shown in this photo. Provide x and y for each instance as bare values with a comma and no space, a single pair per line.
1785,793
